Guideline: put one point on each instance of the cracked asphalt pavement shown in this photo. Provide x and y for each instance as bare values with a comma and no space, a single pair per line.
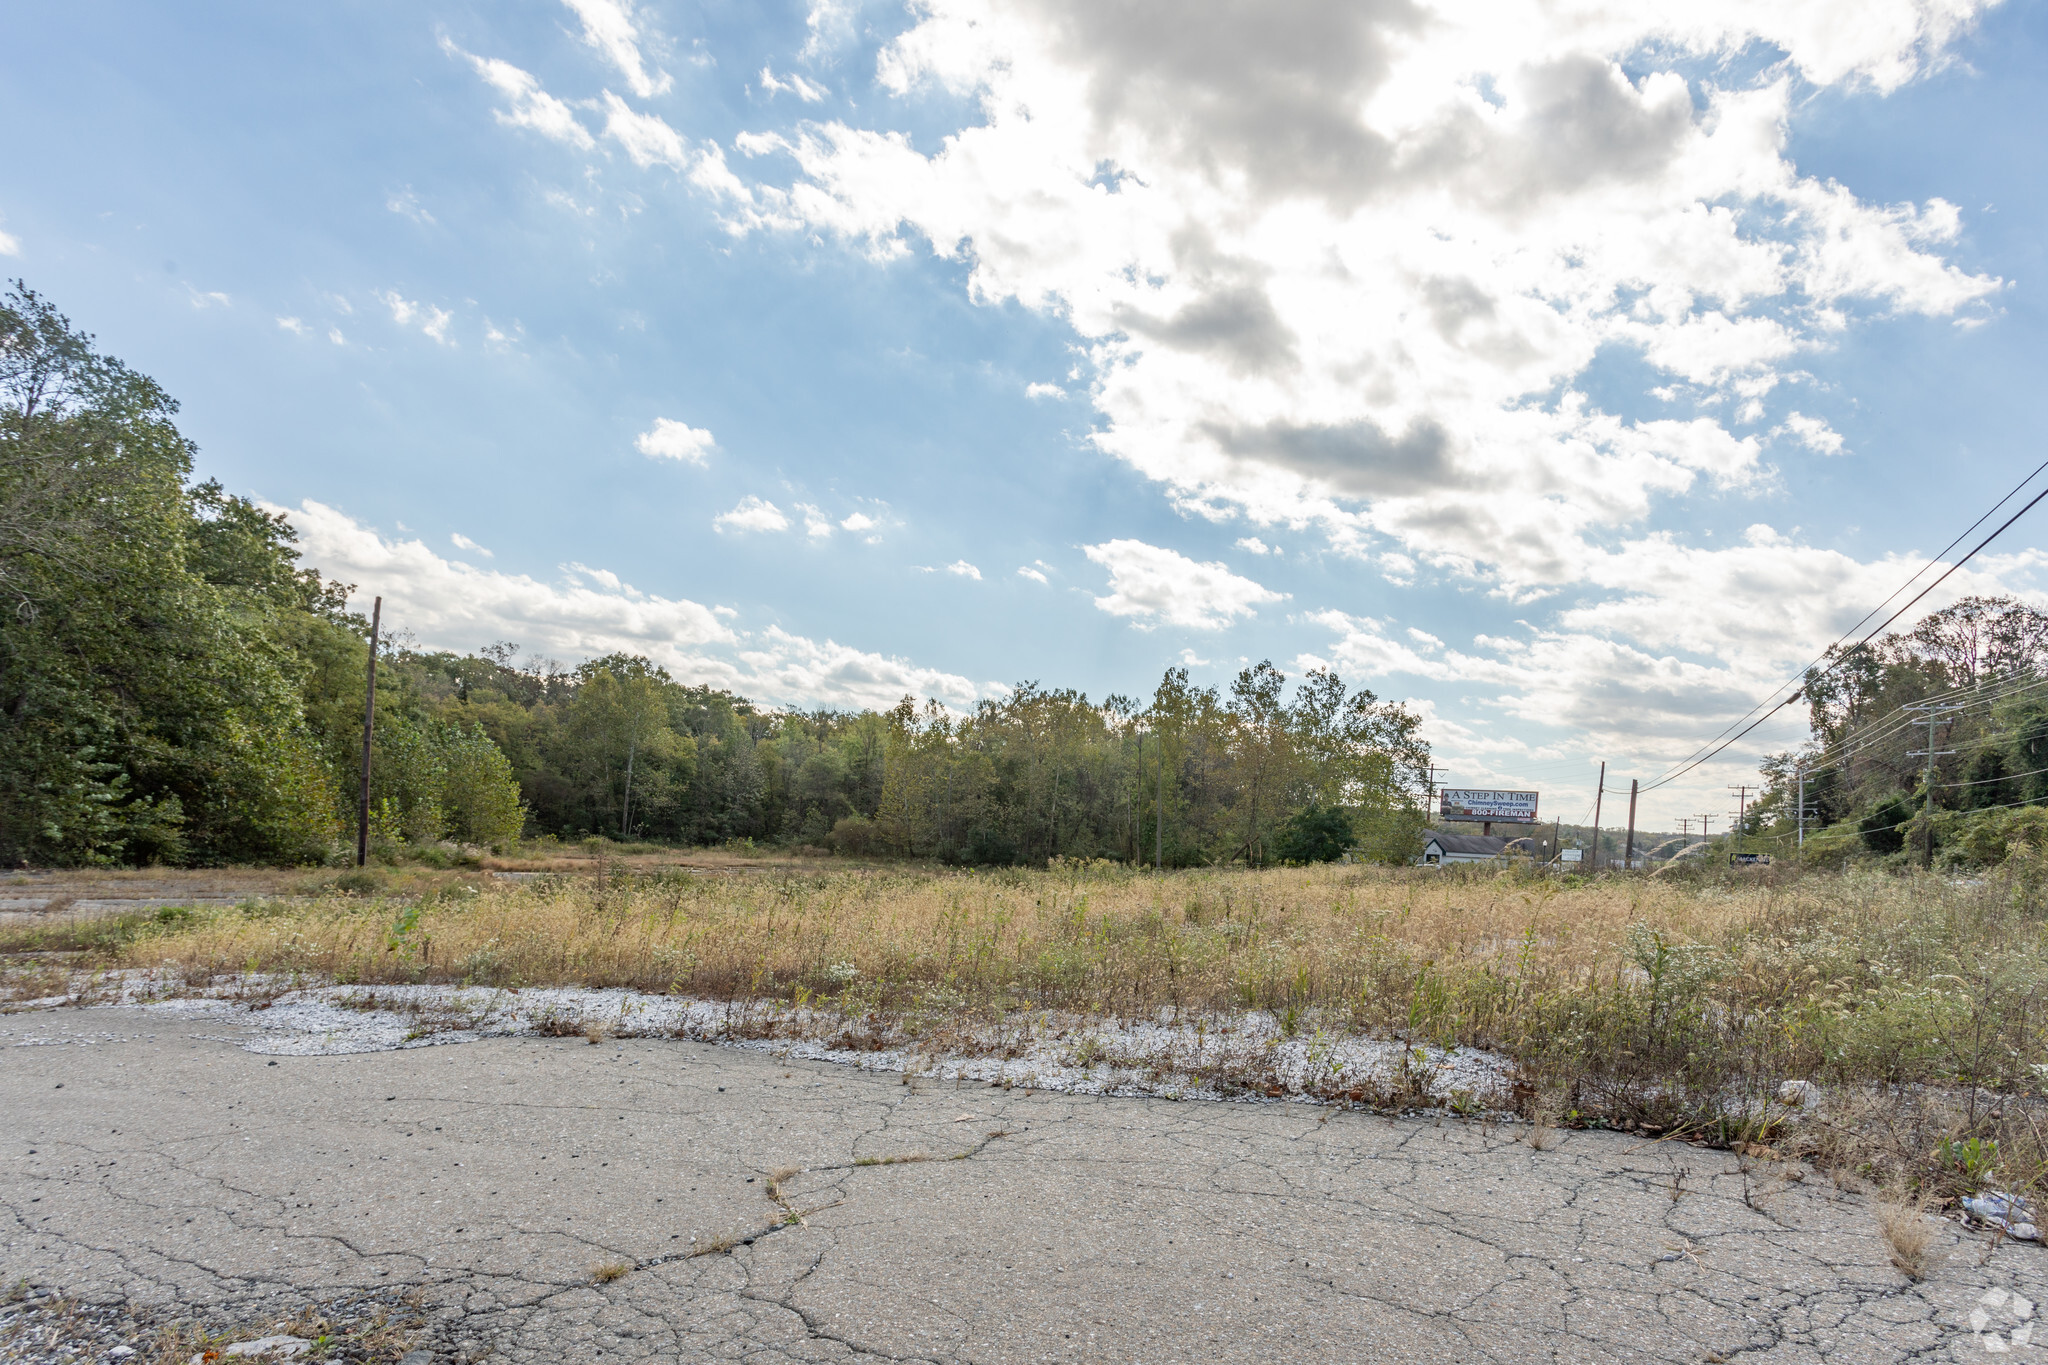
150,1161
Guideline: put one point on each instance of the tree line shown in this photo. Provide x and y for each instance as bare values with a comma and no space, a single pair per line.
1193,776
176,687
1979,671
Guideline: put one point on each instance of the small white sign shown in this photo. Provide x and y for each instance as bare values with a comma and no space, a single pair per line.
1571,855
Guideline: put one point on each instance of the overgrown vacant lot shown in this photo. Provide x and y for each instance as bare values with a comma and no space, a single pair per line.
1916,1003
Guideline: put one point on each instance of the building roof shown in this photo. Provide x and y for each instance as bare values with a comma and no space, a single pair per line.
1485,845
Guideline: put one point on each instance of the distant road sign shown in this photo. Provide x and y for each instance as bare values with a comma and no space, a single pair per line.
1514,808
1749,859
1571,855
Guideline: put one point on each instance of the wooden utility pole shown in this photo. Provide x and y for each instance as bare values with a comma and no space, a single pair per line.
1628,854
1741,790
1933,713
369,726
1598,792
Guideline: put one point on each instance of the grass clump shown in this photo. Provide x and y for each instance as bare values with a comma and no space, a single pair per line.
1909,1235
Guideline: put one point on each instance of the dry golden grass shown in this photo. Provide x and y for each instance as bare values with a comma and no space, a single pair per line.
1909,1234
1106,939
1676,1005
609,1271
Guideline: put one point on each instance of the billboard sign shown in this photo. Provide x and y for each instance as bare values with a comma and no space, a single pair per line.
1515,808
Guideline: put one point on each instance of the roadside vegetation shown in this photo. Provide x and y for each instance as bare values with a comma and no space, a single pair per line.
1969,682
1678,1005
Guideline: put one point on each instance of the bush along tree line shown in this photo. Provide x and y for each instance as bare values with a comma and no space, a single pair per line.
176,687
1979,670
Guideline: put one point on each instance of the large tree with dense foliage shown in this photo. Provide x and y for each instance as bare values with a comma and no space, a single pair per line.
174,686
148,698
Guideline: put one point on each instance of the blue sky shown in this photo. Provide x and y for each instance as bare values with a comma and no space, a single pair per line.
1501,456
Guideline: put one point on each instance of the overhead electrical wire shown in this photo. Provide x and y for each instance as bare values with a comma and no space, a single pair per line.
1835,753
1987,781
1711,748
1898,721
1881,605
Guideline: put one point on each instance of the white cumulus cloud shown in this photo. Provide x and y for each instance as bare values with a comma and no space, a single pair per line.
1154,584
752,514
646,138
669,439
1341,265
615,30
588,612
463,542
817,525
964,569
1026,571
1813,432
531,107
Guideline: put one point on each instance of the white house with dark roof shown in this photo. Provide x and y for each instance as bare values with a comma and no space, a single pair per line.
1439,849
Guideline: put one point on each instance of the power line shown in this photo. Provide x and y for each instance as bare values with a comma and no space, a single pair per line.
1987,781
1835,753
1878,627
1690,763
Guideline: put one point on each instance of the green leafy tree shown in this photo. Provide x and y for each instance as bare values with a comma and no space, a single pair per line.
146,710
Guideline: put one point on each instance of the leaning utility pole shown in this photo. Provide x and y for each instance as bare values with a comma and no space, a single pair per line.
1598,792
1628,852
369,724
